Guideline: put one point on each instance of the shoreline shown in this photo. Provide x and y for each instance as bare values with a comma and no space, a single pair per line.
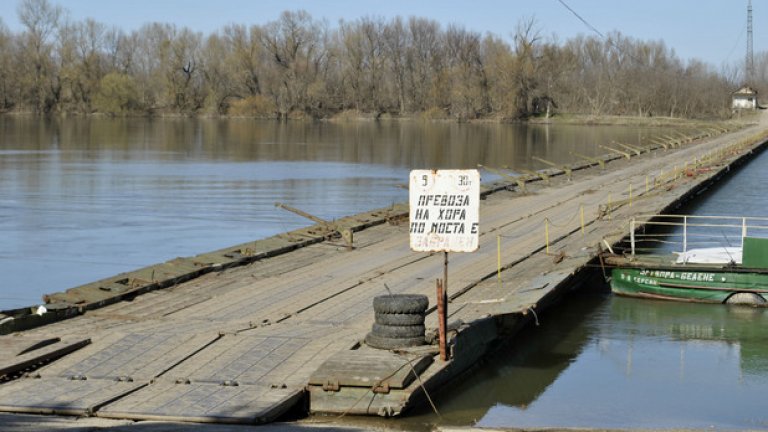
576,119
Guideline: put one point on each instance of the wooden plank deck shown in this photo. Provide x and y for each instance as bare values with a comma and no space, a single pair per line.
241,344
20,352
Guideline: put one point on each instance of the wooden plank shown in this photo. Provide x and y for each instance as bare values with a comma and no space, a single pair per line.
14,346
133,356
240,359
204,403
61,396
366,368
31,352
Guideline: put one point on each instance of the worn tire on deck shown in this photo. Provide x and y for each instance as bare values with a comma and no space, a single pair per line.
400,331
399,319
381,342
400,304
743,298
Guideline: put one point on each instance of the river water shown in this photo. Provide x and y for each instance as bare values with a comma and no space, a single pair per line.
84,199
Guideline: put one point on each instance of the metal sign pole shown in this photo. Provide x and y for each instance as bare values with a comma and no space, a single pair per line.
441,328
443,315
445,272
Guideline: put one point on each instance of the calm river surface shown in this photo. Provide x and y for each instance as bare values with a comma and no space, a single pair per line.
85,199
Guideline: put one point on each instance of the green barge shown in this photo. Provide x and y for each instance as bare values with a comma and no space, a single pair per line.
714,274
706,284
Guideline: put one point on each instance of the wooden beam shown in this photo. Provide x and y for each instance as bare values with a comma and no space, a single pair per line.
635,150
590,159
568,171
517,179
625,154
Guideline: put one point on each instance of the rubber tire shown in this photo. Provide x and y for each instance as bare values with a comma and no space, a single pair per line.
386,343
401,332
399,319
401,304
742,298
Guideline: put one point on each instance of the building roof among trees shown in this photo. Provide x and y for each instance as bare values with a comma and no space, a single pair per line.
745,91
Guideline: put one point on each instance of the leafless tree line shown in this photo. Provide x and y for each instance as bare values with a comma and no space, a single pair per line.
299,66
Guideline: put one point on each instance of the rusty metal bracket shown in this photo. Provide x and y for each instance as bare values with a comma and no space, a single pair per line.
332,385
382,388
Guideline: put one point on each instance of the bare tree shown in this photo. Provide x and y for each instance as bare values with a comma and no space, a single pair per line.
294,43
9,87
526,71
41,19
298,66
396,43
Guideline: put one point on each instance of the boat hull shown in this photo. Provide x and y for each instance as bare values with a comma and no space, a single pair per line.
706,286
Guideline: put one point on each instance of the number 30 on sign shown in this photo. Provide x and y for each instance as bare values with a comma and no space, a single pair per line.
444,210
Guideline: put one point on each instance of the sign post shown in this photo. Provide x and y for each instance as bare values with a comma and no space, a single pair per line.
444,216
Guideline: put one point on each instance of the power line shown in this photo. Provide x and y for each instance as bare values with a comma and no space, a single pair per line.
609,41
586,23
750,66
735,45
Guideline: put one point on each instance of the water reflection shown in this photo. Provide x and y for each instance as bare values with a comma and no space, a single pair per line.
405,144
85,199
599,361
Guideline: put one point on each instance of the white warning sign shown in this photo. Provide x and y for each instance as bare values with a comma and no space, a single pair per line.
444,210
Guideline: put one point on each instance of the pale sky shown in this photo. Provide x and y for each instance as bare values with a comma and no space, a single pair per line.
710,30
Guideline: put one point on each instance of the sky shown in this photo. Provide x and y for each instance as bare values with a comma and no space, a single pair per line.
713,31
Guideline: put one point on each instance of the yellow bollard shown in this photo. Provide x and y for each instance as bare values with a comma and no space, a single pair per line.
581,210
546,233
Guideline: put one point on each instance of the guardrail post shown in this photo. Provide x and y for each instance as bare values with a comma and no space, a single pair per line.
685,233
632,235
743,230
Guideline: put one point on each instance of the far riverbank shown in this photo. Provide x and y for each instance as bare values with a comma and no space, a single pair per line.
436,116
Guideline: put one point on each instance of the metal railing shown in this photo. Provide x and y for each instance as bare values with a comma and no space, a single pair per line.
680,233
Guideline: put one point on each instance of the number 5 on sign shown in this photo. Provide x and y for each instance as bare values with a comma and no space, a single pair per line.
444,210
